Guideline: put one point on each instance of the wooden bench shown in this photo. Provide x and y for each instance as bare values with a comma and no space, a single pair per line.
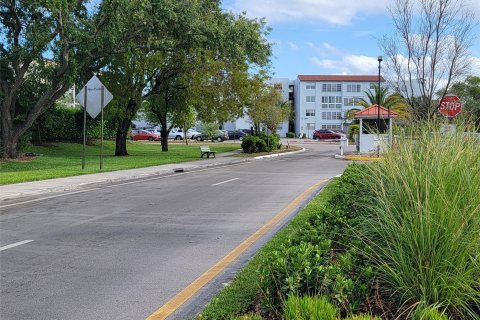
205,150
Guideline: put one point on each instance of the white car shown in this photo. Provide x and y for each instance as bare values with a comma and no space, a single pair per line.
193,134
178,134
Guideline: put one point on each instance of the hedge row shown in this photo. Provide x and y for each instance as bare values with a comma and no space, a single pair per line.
66,124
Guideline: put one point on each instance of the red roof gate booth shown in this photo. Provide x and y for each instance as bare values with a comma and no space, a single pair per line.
374,134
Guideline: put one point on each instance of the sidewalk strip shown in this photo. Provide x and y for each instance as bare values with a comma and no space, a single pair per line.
16,244
183,296
216,184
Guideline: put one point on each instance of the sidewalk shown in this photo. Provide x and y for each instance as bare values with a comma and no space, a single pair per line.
34,188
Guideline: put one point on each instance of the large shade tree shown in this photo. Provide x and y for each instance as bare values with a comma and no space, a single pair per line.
46,47
191,44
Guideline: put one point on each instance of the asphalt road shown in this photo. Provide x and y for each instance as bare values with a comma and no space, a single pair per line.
122,251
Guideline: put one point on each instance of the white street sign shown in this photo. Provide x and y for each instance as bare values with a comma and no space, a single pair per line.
94,96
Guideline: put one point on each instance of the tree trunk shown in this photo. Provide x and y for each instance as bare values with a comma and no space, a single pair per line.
9,145
163,133
121,138
12,132
9,138
164,140
122,130
185,133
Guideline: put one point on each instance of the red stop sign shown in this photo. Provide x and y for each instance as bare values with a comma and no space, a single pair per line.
450,106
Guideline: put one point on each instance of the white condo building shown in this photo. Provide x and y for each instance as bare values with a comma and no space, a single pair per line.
321,101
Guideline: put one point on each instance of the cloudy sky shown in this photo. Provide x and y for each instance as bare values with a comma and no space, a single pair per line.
329,36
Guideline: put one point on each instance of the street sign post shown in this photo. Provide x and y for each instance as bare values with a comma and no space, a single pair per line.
93,97
450,106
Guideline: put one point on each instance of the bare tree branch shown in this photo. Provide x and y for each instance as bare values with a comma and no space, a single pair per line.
429,50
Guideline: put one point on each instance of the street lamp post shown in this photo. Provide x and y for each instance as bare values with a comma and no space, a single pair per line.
378,104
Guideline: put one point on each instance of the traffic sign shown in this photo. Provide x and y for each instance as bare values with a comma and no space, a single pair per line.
94,96
450,106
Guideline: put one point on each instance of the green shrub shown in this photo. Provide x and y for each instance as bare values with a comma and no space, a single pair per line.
66,124
290,135
424,227
307,308
261,143
250,144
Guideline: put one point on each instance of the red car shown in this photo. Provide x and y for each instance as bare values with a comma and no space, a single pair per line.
144,135
326,134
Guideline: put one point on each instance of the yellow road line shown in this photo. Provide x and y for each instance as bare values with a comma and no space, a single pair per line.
173,304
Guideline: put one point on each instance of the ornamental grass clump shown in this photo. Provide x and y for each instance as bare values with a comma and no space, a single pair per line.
424,227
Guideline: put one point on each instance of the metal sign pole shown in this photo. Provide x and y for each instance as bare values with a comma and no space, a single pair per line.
84,126
101,128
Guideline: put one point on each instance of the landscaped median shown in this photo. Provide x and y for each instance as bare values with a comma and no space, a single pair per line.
58,160
393,239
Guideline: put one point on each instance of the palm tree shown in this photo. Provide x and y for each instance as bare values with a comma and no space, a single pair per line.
394,102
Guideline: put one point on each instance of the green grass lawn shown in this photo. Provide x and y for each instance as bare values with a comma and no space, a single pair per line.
65,159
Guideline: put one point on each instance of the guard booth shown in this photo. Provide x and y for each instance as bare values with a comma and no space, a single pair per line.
374,134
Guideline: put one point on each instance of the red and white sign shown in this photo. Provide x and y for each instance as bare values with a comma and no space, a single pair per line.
450,106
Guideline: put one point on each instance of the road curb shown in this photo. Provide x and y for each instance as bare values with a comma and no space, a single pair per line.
279,154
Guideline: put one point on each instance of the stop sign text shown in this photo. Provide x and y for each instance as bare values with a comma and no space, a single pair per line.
450,106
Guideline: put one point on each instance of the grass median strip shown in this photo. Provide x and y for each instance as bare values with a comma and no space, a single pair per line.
65,159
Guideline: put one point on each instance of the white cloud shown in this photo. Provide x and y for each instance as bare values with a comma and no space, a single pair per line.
334,60
334,12
474,5
475,66
293,46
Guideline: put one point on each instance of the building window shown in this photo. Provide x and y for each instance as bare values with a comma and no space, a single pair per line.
331,115
310,85
332,87
331,102
353,101
310,112
354,88
310,98
332,126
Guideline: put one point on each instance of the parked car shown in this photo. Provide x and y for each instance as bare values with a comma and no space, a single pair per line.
193,134
154,131
236,135
176,134
144,135
221,135
326,134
